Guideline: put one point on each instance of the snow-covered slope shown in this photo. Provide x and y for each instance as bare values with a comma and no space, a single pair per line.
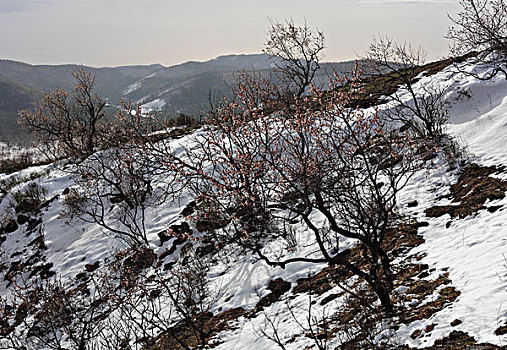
473,250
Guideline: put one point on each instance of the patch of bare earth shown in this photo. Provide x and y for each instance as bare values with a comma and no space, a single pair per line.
458,340
213,325
474,187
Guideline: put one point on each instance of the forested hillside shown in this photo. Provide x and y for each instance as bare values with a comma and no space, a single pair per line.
184,88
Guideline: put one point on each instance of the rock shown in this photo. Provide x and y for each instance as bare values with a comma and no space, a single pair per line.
49,201
404,127
181,229
23,219
11,226
169,265
416,334
277,287
494,208
66,191
178,241
28,205
212,222
501,330
448,224
33,223
43,271
15,263
422,224
164,255
92,267
164,237
115,199
189,209
456,322
139,260
47,274
412,204
81,276
430,328
423,274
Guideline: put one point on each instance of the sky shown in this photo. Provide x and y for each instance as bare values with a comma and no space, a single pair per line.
125,32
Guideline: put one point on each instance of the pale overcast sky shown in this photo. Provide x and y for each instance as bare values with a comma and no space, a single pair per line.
120,32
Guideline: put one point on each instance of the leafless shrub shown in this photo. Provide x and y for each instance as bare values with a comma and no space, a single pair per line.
115,189
297,51
9,183
45,314
171,309
348,325
481,26
264,170
423,110
29,198
455,153
126,305
310,324
68,125
184,120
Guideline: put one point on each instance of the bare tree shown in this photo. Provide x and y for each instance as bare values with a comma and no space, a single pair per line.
116,187
297,51
68,125
261,172
397,66
482,26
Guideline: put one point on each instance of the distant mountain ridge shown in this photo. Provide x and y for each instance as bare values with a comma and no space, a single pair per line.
181,88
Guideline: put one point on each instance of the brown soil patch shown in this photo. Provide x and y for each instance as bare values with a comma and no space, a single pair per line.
375,87
398,240
457,340
278,288
474,187
321,282
213,325
420,312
